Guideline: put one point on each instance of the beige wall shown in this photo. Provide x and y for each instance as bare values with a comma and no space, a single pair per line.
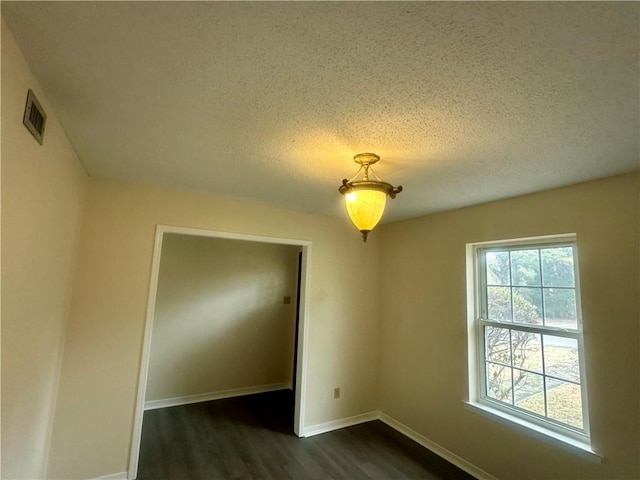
220,319
423,373
43,189
94,417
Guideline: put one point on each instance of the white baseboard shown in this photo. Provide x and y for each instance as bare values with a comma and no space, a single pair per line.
342,423
205,397
114,476
439,450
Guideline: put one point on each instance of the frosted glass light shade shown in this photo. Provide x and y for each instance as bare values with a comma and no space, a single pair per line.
365,207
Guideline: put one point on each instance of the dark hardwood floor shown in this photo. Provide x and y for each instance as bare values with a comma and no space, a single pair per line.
252,438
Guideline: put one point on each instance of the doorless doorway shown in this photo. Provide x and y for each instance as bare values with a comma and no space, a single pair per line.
299,381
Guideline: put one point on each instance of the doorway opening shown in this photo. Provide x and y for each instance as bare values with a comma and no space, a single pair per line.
298,381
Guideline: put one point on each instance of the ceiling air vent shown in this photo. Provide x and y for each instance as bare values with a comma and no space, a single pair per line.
34,117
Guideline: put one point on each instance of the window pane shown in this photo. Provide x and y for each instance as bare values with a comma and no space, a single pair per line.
499,382
497,268
525,267
560,307
557,267
497,345
526,350
529,391
527,305
564,402
561,357
499,304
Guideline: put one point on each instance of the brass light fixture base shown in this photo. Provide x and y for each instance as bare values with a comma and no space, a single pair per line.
366,158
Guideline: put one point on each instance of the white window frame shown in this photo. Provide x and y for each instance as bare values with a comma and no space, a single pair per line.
477,320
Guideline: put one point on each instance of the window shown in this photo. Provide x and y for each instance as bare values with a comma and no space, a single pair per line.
526,333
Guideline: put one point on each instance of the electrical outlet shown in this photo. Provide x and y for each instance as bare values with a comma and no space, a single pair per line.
336,393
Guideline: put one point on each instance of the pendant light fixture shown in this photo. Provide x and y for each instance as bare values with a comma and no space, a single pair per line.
366,198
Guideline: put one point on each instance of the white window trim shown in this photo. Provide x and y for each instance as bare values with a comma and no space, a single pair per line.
566,438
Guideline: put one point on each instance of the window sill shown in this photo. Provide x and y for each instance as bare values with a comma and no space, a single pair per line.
567,443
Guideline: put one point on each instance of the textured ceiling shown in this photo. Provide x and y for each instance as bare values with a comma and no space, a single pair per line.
464,102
